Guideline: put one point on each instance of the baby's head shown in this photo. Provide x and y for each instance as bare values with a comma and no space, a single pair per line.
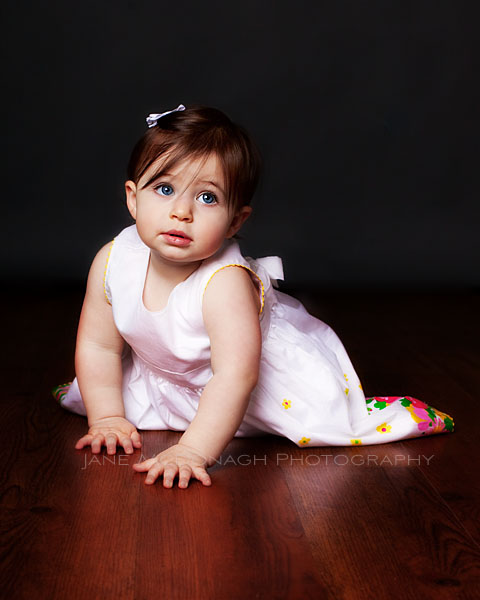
198,133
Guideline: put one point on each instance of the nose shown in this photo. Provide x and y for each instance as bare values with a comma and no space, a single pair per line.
181,209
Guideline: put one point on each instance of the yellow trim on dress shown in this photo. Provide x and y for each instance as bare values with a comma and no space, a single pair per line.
105,272
247,269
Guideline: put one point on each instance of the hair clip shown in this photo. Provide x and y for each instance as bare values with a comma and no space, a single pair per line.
153,118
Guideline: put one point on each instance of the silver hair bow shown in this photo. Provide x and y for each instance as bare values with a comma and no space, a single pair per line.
153,118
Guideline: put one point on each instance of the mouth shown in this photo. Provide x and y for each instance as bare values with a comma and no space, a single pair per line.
176,238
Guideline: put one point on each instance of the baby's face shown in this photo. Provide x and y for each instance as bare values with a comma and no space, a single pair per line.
183,215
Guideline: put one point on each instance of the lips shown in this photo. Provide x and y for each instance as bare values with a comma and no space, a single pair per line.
176,238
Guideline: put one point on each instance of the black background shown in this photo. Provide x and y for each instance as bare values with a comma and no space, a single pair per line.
366,113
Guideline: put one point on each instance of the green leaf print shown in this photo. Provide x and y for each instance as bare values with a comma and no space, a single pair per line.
448,424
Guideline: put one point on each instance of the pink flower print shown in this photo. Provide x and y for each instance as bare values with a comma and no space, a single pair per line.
430,427
381,402
419,414
428,419
408,401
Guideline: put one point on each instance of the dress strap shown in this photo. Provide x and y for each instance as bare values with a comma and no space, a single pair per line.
251,271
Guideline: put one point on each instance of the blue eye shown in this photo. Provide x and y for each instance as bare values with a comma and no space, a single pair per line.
207,198
164,189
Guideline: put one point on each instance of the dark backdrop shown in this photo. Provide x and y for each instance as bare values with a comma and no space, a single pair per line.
366,113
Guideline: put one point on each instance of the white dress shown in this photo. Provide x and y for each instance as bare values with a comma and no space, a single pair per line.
307,390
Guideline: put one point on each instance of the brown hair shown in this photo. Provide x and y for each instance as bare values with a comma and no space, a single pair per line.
199,132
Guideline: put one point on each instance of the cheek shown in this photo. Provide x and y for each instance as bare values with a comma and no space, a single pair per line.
148,207
218,228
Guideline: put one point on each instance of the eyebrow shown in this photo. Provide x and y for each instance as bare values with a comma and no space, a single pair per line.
210,182
154,177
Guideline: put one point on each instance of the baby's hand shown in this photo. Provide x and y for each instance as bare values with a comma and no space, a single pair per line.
180,460
109,432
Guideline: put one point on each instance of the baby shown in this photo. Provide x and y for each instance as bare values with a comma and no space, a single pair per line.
180,331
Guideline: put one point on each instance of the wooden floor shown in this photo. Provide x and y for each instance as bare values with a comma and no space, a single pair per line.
399,520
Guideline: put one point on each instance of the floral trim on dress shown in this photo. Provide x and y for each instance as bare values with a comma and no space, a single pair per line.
429,420
60,391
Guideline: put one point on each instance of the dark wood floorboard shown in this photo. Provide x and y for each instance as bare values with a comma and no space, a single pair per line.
396,520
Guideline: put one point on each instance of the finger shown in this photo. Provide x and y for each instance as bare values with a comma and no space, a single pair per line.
136,439
127,445
111,443
83,441
96,444
154,472
169,473
184,475
144,465
201,474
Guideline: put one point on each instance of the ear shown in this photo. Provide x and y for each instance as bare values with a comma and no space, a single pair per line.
131,193
238,220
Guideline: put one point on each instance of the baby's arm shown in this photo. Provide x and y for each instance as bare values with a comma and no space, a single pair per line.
98,368
230,309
